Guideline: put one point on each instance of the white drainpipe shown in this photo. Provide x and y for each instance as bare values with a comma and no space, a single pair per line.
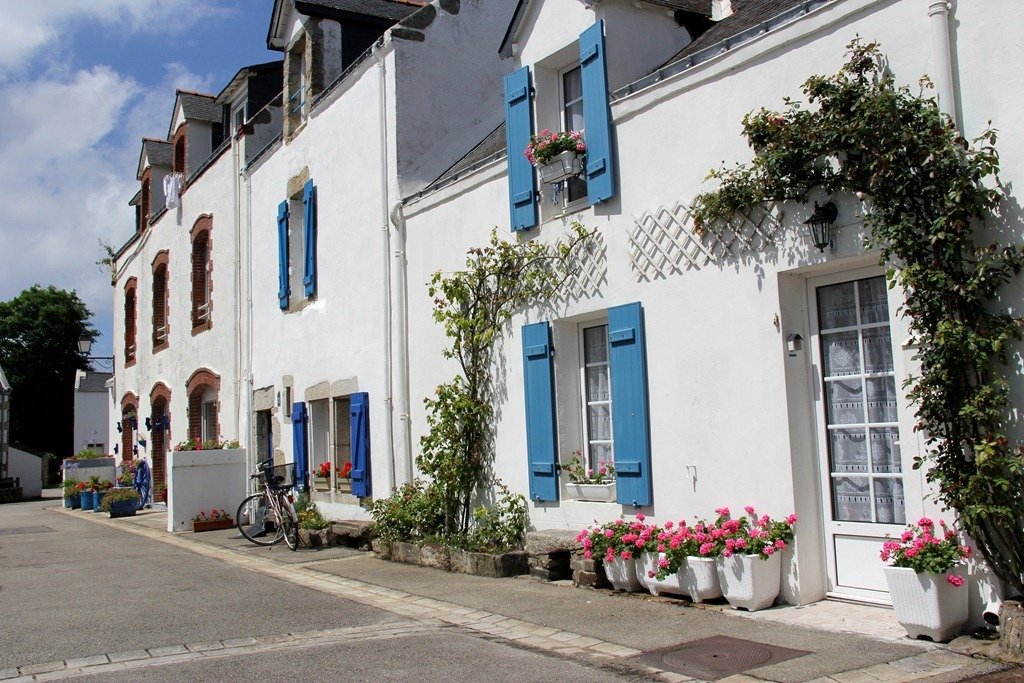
389,436
938,13
402,340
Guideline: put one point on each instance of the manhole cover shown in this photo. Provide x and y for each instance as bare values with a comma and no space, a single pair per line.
24,530
717,657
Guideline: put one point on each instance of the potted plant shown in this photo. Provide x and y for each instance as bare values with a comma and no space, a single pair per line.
617,544
927,596
314,529
72,499
99,487
749,557
322,477
126,476
84,495
596,485
214,520
120,502
557,155
676,565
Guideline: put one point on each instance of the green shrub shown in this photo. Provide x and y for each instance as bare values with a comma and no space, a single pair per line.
414,512
312,519
117,495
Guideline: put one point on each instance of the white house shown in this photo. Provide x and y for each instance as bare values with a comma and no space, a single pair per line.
703,366
92,411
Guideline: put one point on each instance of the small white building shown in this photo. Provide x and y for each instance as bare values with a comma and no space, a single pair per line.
92,412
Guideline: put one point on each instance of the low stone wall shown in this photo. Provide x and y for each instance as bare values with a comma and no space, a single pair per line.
454,560
1011,630
550,554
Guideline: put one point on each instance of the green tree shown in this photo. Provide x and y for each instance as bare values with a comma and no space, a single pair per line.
39,332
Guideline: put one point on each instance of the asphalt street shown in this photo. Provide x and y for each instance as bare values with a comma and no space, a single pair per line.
73,589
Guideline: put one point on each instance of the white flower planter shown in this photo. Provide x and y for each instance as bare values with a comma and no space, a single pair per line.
750,582
622,574
697,578
565,165
598,493
926,604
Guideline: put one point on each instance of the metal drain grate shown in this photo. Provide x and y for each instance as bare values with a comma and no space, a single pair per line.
717,657
25,530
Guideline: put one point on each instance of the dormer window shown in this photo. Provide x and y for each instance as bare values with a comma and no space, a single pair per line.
144,204
297,89
179,154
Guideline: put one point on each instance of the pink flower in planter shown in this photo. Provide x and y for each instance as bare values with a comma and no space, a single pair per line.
791,520
626,555
925,522
722,512
955,580
663,562
749,509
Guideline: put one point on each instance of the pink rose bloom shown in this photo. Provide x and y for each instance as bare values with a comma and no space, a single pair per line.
955,580
626,555
749,509
722,512
726,553
587,543
587,554
674,543
769,550
765,520
650,573
925,523
663,562
910,552
741,543
906,535
639,543
661,547
640,517
791,520
780,544
706,548
608,533
668,525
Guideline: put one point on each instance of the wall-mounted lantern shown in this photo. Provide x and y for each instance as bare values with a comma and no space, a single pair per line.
820,224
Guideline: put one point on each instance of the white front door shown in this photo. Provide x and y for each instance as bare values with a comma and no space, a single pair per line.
858,436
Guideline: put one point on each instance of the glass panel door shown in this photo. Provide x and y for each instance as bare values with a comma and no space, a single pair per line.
860,459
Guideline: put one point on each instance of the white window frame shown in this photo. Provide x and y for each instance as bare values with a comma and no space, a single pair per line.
580,202
296,249
208,410
585,401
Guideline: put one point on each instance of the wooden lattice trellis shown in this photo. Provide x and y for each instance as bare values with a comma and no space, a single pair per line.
589,267
665,241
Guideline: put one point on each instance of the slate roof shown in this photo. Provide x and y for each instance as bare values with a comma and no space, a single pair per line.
488,147
200,107
393,10
159,152
94,382
698,6
746,14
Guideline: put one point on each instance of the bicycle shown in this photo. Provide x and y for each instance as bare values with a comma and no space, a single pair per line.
273,506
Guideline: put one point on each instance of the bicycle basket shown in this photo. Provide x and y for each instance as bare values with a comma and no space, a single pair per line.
280,477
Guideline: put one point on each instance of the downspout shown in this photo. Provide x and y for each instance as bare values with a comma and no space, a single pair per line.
402,339
250,442
238,287
938,14
389,437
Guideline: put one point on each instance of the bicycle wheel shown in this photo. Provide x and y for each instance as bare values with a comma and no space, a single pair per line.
289,526
254,517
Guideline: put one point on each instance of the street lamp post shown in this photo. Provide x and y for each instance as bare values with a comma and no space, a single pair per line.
85,345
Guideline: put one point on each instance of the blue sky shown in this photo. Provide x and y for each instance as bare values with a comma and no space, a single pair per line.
81,81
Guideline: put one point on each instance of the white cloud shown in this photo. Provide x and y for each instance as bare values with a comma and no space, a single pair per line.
68,154
31,26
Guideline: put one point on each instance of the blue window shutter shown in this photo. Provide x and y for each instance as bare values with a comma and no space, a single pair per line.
359,430
597,116
309,236
282,254
522,184
538,377
299,422
630,423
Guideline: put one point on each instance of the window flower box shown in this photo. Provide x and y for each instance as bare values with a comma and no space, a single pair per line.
563,166
321,483
212,525
597,493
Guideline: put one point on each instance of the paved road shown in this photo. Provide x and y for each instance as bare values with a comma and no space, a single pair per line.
77,590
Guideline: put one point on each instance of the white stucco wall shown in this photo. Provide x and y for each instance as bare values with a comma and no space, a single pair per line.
727,402
200,481
29,469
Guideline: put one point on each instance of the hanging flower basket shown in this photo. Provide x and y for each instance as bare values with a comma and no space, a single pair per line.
565,165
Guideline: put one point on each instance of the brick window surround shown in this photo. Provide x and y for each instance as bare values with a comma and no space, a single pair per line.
129,407
180,147
161,302
160,404
201,237
130,316
197,385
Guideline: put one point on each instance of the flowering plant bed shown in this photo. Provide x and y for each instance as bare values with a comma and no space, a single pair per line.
918,548
214,520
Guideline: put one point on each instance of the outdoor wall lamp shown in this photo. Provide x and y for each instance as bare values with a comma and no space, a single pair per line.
820,224
85,345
